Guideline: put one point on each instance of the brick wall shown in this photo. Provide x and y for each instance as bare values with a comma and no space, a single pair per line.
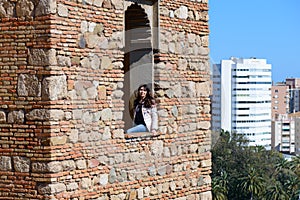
61,106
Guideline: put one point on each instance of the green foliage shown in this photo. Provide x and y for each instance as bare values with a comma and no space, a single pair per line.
251,183
243,172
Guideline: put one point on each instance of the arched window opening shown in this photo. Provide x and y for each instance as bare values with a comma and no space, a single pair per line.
138,60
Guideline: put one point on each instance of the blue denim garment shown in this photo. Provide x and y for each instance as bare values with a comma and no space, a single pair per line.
137,128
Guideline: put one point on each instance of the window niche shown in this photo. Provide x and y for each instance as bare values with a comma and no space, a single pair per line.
141,38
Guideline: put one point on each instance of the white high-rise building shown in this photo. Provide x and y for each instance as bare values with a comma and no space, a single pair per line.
241,100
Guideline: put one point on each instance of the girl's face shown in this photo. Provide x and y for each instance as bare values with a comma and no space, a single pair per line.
142,92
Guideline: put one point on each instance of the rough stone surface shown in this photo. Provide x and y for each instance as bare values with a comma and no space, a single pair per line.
54,166
59,140
64,61
38,114
52,188
105,62
106,114
43,114
29,85
86,183
91,40
38,57
112,176
24,8
21,164
98,3
15,117
81,164
54,87
39,167
2,117
6,9
5,163
45,7
157,148
206,195
72,186
103,179
62,10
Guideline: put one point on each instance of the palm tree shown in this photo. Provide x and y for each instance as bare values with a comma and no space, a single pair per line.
294,182
295,165
252,183
218,190
224,180
282,165
286,174
276,192
292,186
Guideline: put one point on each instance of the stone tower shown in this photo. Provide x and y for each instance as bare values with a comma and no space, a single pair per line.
69,70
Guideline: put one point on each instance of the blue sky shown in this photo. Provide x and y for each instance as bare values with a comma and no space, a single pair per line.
268,29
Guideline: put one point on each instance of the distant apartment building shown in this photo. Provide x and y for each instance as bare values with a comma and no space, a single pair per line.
286,116
297,136
286,133
286,97
280,99
293,82
216,100
283,134
294,93
241,99
294,100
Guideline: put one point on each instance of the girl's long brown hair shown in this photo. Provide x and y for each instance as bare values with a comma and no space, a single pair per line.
149,101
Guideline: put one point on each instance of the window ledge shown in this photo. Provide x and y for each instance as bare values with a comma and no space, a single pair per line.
141,135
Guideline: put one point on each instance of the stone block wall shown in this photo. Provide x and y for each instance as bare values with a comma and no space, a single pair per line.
61,107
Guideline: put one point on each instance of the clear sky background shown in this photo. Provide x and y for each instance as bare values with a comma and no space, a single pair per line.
268,29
